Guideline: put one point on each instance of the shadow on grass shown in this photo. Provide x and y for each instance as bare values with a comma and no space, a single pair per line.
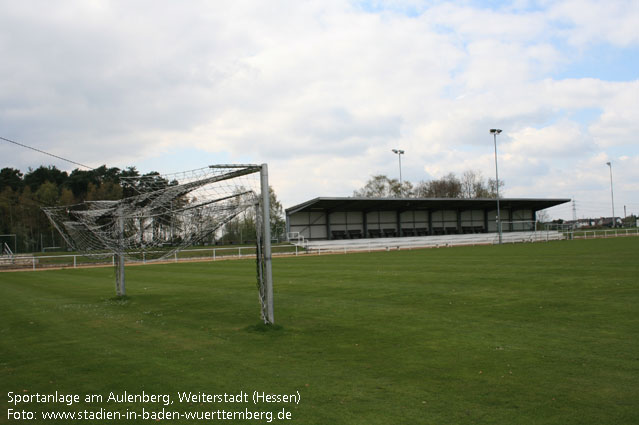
264,328
119,300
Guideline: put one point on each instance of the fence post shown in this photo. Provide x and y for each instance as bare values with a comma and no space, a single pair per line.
33,258
74,261
175,255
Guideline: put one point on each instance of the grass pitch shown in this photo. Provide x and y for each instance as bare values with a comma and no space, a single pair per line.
543,333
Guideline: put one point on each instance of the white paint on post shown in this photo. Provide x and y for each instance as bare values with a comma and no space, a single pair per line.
268,267
120,288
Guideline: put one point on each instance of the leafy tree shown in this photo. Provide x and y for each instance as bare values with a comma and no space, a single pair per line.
128,190
66,197
106,191
278,224
78,182
35,178
47,194
10,177
22,197
8,203
28,211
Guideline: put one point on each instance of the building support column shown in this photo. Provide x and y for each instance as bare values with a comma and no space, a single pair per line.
364,224
485,220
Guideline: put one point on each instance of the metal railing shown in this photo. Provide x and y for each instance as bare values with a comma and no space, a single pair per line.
35,262
6,251
596,234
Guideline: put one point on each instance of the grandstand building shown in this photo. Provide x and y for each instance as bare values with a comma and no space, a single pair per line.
356,218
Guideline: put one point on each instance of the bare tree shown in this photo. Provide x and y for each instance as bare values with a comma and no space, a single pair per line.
471,185
380,186
448,186
471,180
543,216
492,188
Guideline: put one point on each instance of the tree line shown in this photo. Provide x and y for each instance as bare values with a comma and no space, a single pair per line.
470,185
25,228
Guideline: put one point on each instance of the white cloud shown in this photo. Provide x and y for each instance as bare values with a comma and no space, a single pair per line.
564,138
592,21
322,90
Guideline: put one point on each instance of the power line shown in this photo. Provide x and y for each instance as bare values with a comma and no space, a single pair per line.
46,153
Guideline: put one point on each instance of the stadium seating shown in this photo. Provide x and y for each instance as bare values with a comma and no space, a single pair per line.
425,241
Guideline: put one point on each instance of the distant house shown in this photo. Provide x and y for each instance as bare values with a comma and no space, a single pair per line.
608,222
582,223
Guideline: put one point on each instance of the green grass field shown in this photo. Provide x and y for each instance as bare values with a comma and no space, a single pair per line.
543,333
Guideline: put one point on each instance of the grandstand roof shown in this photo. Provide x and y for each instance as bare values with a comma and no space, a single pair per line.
394,204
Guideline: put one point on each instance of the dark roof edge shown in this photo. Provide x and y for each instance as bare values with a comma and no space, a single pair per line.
303,205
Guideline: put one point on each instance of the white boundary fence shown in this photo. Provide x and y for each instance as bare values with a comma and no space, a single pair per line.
597,234
13,262
92,260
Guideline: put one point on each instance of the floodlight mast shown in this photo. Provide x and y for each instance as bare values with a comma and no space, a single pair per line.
612,196
495,132
399,153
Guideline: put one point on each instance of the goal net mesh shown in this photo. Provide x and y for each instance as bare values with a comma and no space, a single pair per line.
166,213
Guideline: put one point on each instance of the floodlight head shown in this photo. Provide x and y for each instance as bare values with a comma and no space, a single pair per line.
495,130
608,164
398,151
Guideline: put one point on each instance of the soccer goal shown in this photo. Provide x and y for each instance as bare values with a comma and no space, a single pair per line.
162,214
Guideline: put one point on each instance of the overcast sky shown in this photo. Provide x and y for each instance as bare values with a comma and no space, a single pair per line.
323,90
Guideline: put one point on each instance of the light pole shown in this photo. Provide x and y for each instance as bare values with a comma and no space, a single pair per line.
399,153
612,196
495,132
